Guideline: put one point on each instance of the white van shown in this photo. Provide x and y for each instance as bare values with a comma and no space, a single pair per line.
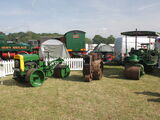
124,44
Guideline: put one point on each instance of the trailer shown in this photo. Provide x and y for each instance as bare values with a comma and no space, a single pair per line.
75,42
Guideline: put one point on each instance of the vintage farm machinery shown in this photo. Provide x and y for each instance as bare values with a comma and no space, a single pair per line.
93,67
140,60
33,70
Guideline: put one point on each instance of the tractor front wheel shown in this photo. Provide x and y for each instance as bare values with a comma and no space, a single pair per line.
35,77
132,72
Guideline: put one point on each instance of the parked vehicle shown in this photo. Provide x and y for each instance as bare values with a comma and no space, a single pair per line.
106,51
8,49
93,67
124,44
33,70
75,42
140,60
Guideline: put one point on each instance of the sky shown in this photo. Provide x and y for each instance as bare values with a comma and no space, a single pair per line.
103,17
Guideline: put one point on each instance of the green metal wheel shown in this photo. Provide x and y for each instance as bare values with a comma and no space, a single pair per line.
65,72
61,71
35,77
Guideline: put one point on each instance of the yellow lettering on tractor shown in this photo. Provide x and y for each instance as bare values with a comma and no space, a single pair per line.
21,59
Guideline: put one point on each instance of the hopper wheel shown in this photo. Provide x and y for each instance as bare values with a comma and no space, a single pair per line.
35,77
132,72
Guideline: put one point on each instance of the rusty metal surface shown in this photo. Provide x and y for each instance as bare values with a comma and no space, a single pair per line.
87,78
93,67
132,72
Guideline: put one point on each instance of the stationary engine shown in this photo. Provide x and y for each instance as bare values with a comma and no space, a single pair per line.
93,67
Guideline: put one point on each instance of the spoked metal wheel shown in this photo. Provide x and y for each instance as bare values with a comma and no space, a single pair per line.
87,78
35,77
97,75
132,72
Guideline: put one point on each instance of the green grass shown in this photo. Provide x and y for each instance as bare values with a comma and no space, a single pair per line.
112,98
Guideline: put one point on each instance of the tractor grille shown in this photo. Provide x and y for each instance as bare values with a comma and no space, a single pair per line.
17,63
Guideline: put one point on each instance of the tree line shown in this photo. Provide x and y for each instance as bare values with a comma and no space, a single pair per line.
25,36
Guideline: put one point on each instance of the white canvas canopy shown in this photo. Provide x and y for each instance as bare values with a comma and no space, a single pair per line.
54,48
103,48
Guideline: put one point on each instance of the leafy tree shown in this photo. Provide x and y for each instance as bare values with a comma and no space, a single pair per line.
110,39
29,35
88,41
2,36
99,39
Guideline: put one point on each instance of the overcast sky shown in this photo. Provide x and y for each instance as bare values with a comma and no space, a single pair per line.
104,17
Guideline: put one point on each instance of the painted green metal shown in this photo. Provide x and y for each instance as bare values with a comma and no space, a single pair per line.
35,77
133,58
9,48
33,57
145,59
64,72
36,70
75,40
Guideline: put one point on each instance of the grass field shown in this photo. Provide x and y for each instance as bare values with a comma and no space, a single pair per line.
112,98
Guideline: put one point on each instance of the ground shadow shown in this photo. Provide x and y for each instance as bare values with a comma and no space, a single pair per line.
12,82
155,94
74,78
114,73
156,72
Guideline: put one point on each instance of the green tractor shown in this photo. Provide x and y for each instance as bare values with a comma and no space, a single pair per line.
33,70
142,60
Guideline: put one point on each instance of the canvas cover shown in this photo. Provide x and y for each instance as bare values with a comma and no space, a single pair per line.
54,48
103,48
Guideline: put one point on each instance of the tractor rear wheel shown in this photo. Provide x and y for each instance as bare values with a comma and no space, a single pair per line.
35,77
132,72
61,71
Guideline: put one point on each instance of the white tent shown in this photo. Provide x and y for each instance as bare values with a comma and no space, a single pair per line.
54,48
103,48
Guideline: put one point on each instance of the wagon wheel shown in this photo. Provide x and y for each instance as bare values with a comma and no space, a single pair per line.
35,77
132,72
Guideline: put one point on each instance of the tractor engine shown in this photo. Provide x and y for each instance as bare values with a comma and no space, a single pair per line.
140,61
23,64
93,67
33,70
